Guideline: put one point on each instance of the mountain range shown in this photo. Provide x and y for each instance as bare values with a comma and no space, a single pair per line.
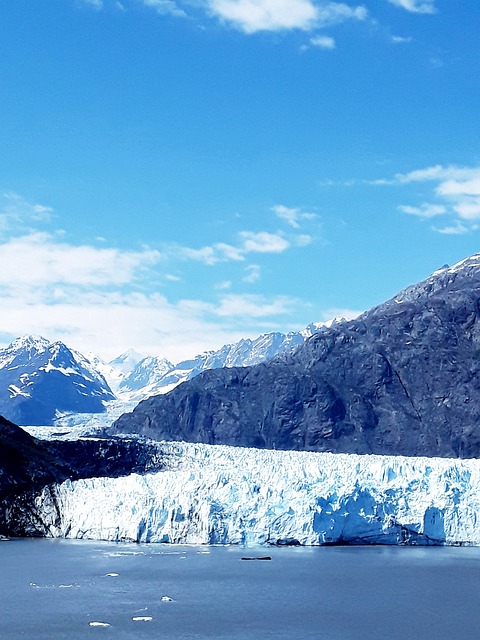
401,379
40,381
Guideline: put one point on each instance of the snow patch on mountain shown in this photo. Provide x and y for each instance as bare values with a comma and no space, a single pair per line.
156,375
41,380
229,495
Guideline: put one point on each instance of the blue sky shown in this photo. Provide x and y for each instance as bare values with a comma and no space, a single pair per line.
175,175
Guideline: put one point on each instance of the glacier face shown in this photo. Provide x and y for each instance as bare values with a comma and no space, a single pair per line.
228,495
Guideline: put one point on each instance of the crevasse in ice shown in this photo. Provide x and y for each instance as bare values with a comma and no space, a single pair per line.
229,495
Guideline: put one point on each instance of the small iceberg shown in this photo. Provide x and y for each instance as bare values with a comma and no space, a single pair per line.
98,624
166,599
111,575
142,618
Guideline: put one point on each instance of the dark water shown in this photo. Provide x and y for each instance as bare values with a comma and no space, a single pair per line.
51,589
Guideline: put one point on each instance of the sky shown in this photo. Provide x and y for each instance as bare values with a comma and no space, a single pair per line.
176,175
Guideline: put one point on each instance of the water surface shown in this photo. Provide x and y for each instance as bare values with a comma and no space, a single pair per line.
55,589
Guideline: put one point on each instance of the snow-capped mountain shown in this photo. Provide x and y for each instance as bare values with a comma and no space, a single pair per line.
146,376
41,379
153,375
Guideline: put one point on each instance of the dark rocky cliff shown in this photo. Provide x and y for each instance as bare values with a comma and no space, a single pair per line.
29,465
402,379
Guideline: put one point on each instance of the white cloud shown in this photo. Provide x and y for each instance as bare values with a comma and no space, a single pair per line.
336,12
416,6
165,7
323,42
251,16
39,260
266,15
453,230
263,242
249,242
292,215
400,39
253,273
97,4
224,285
18,214
426,210
254,306
456,188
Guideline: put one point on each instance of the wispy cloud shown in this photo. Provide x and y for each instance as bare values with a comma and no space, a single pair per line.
400,39
323,42
293,216
248,242
254,306
252,273
97,4
263,242
425,210
416,6
18,215
453,230
455,194
165,7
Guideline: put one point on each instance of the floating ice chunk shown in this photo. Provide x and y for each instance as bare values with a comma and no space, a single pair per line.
95,623
166,599
111,575
142,618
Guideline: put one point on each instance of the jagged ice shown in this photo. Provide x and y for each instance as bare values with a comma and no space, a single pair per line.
230,495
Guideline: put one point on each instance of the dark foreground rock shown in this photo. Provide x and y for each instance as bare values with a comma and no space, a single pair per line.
402,379
27,465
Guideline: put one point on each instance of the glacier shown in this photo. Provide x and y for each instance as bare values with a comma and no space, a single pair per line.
214,494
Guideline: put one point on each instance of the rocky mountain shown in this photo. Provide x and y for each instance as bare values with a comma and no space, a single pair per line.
40,379
402,378
29,465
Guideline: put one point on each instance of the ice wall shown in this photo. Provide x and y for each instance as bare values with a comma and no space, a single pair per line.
229,495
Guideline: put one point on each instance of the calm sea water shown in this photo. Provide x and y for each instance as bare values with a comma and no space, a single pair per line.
52,589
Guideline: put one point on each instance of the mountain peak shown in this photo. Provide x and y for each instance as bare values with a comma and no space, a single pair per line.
29,342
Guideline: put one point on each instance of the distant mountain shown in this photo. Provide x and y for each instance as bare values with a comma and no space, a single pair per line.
403,378
153,376
40,379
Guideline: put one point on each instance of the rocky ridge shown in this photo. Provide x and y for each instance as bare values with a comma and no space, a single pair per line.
401,379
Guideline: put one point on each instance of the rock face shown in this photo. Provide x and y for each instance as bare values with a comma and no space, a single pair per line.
402,379
38,379
29,466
